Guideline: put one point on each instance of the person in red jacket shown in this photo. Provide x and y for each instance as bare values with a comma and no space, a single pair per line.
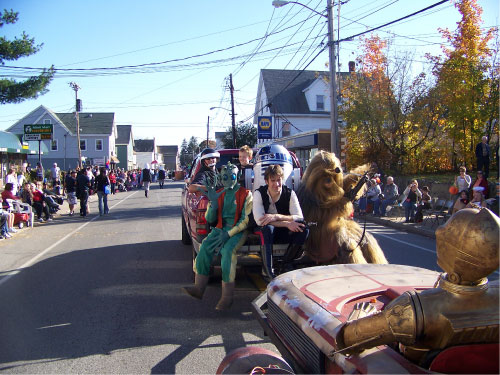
112,181
7,194
39,203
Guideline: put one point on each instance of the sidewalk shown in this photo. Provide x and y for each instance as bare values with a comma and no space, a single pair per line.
425,228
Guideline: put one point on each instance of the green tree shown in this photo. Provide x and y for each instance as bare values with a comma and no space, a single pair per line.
185,158
246,134
12,91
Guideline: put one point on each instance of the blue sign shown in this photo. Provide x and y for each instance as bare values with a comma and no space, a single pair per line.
264,127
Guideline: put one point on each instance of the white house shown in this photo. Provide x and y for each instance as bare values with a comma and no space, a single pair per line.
97,137
145,151
299,104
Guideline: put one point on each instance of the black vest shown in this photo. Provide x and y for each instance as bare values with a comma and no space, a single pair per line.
146,175
282,205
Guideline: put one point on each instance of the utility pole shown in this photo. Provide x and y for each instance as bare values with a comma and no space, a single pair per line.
208,130
75,87
231,89
334,126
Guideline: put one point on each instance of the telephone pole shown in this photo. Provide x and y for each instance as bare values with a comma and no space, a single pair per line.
231,89
75,87
208,130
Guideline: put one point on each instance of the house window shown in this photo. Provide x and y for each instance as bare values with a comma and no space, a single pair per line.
47,121
98,144
53,145
320,103
83,144
286,129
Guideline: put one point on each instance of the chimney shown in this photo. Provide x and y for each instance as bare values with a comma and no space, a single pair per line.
352,66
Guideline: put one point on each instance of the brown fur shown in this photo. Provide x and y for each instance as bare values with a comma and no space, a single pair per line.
336,238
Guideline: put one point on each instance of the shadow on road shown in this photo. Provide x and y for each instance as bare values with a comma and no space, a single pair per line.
100,300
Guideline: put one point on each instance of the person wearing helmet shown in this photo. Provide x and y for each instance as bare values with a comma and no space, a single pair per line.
207,171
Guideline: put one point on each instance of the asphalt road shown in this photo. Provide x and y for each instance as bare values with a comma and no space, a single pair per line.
102,294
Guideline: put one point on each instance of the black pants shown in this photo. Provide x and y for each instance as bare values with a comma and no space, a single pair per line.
483,164
84,197
273,234
41,208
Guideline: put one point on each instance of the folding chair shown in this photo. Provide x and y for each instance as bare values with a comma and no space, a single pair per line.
22,211
433,215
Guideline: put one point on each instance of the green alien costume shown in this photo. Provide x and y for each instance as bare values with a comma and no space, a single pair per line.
229,208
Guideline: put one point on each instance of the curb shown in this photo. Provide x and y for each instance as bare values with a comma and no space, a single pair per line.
410,228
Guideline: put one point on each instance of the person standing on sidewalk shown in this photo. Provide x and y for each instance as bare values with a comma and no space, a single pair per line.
483,153
70,187
411,196
161,176
388,197
146,178
102,181
83,186
112,181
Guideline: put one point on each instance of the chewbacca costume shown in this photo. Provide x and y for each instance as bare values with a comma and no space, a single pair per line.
337,238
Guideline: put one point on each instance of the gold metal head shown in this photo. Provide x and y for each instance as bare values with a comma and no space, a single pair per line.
467,245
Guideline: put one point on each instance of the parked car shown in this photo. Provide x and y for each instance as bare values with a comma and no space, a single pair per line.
194,225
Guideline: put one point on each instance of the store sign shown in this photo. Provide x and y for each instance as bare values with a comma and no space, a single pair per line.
264,127
37,132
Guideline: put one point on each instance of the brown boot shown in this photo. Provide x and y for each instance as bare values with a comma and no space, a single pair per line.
197,290
226,299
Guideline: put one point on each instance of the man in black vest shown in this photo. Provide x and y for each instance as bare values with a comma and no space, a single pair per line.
277,210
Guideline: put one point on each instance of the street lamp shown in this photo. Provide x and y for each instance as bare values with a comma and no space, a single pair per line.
233,123
334,126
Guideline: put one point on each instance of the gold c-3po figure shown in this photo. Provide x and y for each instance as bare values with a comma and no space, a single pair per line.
463,308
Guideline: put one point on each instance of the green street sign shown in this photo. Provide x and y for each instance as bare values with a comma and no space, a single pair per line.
43,130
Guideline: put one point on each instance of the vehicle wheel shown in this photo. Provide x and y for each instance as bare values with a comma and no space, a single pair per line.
20,225
244,360
186,239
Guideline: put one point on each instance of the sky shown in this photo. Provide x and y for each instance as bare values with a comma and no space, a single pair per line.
168,62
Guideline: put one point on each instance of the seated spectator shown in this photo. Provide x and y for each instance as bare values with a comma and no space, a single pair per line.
5,219
411,196
7,194
372,195
477,200
425,204
461,202
463,180
277,210
482,182
388,197
27,194
39,203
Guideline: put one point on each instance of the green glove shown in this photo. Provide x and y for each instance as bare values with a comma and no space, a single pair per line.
222,237
211,193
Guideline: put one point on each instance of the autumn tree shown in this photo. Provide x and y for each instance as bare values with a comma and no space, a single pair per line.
12,91
389,113
467,82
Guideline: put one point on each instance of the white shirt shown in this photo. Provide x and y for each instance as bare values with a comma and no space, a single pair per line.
258,207
13,180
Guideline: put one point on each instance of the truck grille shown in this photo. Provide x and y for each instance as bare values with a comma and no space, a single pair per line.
305,351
